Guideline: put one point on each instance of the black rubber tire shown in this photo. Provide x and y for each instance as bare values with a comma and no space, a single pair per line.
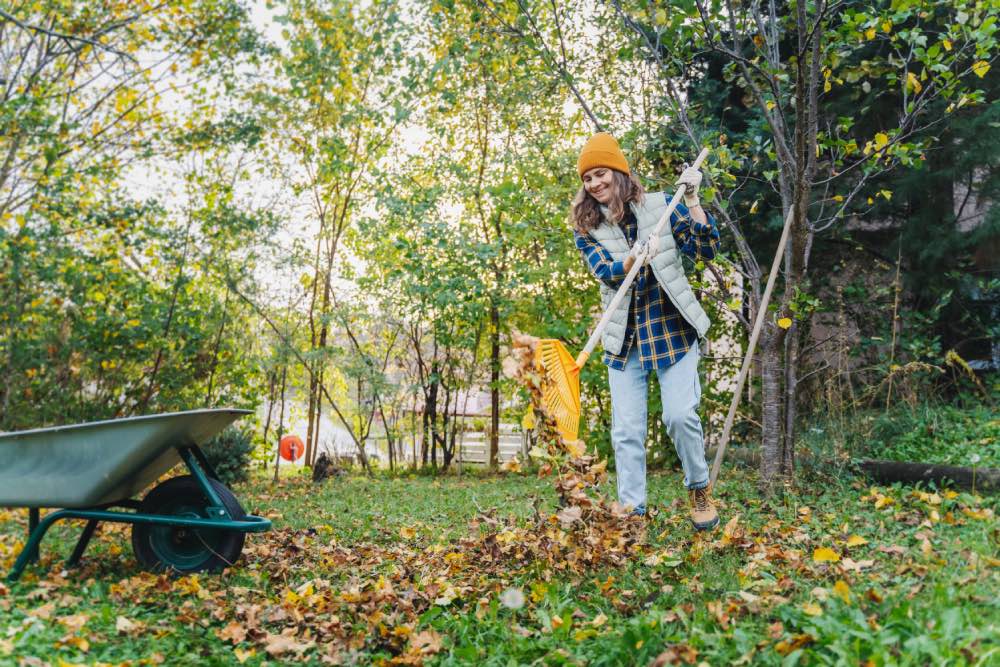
185,550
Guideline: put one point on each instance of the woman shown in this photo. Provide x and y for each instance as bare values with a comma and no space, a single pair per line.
658,326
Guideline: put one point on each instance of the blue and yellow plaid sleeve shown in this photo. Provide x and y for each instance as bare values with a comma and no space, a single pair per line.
599,260
694,239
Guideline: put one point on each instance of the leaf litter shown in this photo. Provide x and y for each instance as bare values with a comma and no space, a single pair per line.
369,598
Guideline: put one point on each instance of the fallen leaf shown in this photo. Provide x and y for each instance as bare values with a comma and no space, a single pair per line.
126,626
856,540
825,555
74,622
426,642
276,645
812,609
568,515
242,656
796,642
234,632
842,591
676,654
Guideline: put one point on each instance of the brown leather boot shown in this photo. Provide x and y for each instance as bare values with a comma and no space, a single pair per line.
703,514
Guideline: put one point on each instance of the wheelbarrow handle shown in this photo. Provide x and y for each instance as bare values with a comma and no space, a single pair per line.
623,289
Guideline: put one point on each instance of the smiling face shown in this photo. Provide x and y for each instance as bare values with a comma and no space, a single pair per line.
599,184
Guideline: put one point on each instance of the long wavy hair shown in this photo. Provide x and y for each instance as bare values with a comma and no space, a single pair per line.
585,214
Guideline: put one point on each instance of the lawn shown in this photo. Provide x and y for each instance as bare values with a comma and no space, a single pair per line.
435,570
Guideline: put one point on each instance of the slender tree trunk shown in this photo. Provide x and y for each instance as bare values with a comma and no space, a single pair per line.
313,449
272,382
311,416
281,424
215,351
494,385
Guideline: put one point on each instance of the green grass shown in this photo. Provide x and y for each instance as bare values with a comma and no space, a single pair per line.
926,433
930,596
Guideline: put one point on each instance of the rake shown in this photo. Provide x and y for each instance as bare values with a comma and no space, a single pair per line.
561,392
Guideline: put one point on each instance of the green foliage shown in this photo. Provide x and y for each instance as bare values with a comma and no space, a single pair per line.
231,454
937,434
953,434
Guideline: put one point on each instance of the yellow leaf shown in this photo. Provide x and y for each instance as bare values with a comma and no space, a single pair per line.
977,514
785,322
886,193
886,26
812,609
856,541
753,207
913,83
842,591
881,139
981,68
407,533
870,33
827,86
825,555
528,420
242,656
881,501
947,44
770,105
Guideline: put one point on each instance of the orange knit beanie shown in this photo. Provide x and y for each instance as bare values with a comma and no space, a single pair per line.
601,150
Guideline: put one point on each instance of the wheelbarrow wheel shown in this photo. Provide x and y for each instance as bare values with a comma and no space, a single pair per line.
180,549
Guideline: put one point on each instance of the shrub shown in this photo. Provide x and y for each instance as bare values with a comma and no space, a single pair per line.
230,454
939,434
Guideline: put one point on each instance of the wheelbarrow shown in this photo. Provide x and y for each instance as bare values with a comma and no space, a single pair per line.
191,523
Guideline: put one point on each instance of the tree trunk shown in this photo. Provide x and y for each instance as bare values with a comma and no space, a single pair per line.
791,404
494,385
311,413
771,399
281,424
272,383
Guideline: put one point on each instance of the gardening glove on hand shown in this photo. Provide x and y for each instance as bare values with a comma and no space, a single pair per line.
636,254
652,247
691,180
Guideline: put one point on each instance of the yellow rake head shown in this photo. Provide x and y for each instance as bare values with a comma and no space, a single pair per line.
561,389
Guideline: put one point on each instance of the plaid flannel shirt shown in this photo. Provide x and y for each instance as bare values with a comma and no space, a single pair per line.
664,335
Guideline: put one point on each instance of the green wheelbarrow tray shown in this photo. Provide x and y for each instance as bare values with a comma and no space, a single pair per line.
186,524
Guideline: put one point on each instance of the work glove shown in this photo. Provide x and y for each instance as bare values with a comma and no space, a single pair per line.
638,253
652,247
690,178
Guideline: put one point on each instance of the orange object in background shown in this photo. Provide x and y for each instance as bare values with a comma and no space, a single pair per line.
291,448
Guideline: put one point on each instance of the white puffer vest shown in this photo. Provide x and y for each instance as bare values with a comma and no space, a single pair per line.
667,268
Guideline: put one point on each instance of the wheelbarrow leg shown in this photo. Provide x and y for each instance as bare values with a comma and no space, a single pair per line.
33,516
30,550
81,545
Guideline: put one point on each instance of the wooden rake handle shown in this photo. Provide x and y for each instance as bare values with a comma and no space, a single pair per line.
581,359
751,346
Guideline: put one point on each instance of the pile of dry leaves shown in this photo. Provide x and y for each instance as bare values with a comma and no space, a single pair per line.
389,587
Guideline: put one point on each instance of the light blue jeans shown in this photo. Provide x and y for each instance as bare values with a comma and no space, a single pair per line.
680,392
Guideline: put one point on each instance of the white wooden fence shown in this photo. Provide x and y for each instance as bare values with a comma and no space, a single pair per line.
476,445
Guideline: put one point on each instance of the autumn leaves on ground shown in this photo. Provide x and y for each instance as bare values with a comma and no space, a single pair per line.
536,566
440,571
